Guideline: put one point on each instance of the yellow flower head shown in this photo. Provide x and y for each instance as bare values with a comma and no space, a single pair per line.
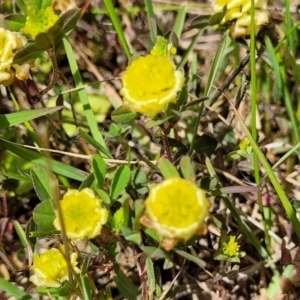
232,247
244,144
176,210
39,20
9,43
50,268
150,83
238,11
83,214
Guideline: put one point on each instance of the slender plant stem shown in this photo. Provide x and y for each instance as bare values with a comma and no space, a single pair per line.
166,145
93,125
265,211
117,25
150,17
55,72
229,80
201,108
270,173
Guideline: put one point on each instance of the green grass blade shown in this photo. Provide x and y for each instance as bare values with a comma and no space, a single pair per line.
12,119
212,75
253,84
13,290
150,275
245,229
179,22
194,74
150,17
94,143
236,215
195,133
265,211
87,291
282,82
274,63
27,124
201,263
283,158
37,158
291,31
21,234
15,176
83,95
216,63
117,25
288,104
189,49
277,186
292,37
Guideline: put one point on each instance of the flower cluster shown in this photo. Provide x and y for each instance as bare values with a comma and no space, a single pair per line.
176,210
50,268
163,47
10,42
38,20
238,11
151,82
232,247
83,214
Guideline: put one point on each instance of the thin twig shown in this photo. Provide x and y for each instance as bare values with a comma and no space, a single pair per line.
166,146
88,157
55,72
229,80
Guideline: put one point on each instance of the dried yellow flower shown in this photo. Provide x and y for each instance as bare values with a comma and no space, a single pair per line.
10,42
238,11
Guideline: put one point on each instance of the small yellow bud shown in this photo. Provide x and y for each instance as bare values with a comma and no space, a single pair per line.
232,247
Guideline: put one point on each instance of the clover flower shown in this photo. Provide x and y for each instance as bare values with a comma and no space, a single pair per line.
244,144
38,20
232,247
176,210
50,268
9,43
83,214
238,13
151,82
